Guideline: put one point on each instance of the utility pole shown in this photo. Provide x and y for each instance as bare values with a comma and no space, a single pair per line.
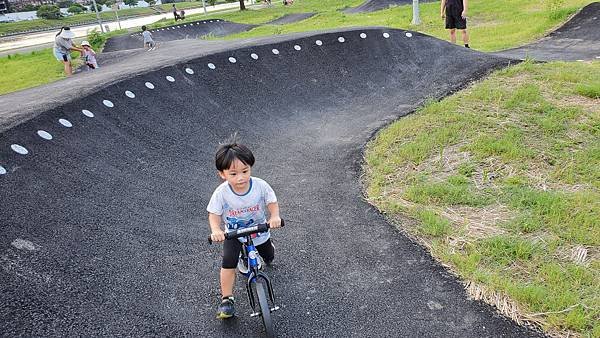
416,19
204,6
98,15
115,8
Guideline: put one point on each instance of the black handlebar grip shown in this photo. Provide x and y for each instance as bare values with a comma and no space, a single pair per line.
261,228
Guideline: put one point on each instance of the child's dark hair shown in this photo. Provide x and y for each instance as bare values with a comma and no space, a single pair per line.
144,28
229,152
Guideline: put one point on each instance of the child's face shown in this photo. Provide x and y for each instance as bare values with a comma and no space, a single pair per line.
238,176
86,47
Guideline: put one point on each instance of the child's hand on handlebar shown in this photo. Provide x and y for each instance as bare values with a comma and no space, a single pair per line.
217,236
274,222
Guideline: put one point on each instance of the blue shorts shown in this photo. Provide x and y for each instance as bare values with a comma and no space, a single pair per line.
60,56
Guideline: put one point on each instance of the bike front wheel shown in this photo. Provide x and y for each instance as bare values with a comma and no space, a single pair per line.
265,310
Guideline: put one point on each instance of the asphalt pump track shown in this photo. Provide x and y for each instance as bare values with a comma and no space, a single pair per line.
188,30
103,197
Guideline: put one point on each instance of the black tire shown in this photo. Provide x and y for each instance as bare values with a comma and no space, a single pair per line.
265,310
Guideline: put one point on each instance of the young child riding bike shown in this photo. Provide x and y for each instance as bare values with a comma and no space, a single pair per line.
240,201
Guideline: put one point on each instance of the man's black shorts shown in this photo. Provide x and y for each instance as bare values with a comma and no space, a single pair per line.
454,19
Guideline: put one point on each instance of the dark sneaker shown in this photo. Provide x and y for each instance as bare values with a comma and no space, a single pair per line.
226,309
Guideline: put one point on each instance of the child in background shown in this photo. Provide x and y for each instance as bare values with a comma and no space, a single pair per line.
148,41
88,55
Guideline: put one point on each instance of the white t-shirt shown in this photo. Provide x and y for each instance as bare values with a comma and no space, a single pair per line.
241,211
147,36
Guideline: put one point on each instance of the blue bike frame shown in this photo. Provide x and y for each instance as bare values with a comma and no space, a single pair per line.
254,274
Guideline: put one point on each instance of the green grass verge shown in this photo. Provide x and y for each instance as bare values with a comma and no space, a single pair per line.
29,70
505,179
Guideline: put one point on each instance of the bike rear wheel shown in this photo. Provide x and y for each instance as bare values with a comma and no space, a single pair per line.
265,310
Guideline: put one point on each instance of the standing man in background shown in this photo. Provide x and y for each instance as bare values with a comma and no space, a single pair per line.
175,14
455,12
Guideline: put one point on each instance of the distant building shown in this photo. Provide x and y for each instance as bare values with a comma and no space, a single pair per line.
3,6
19,4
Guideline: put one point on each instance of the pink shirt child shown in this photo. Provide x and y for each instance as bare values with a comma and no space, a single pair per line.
89,56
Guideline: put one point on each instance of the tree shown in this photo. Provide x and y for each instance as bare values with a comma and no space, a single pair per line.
30,8
108,3
151,2
131,3
98,7
51,12
242,5
76,9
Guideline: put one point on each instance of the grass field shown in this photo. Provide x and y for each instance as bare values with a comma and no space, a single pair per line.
504,179
31,70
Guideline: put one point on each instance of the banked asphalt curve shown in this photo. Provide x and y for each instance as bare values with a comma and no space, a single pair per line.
188,30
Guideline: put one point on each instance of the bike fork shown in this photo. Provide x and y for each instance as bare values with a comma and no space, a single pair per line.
253,279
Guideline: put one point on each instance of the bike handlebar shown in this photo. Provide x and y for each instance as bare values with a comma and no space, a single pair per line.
246,231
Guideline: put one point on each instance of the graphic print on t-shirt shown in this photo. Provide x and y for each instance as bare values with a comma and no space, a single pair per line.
235,223
241,211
